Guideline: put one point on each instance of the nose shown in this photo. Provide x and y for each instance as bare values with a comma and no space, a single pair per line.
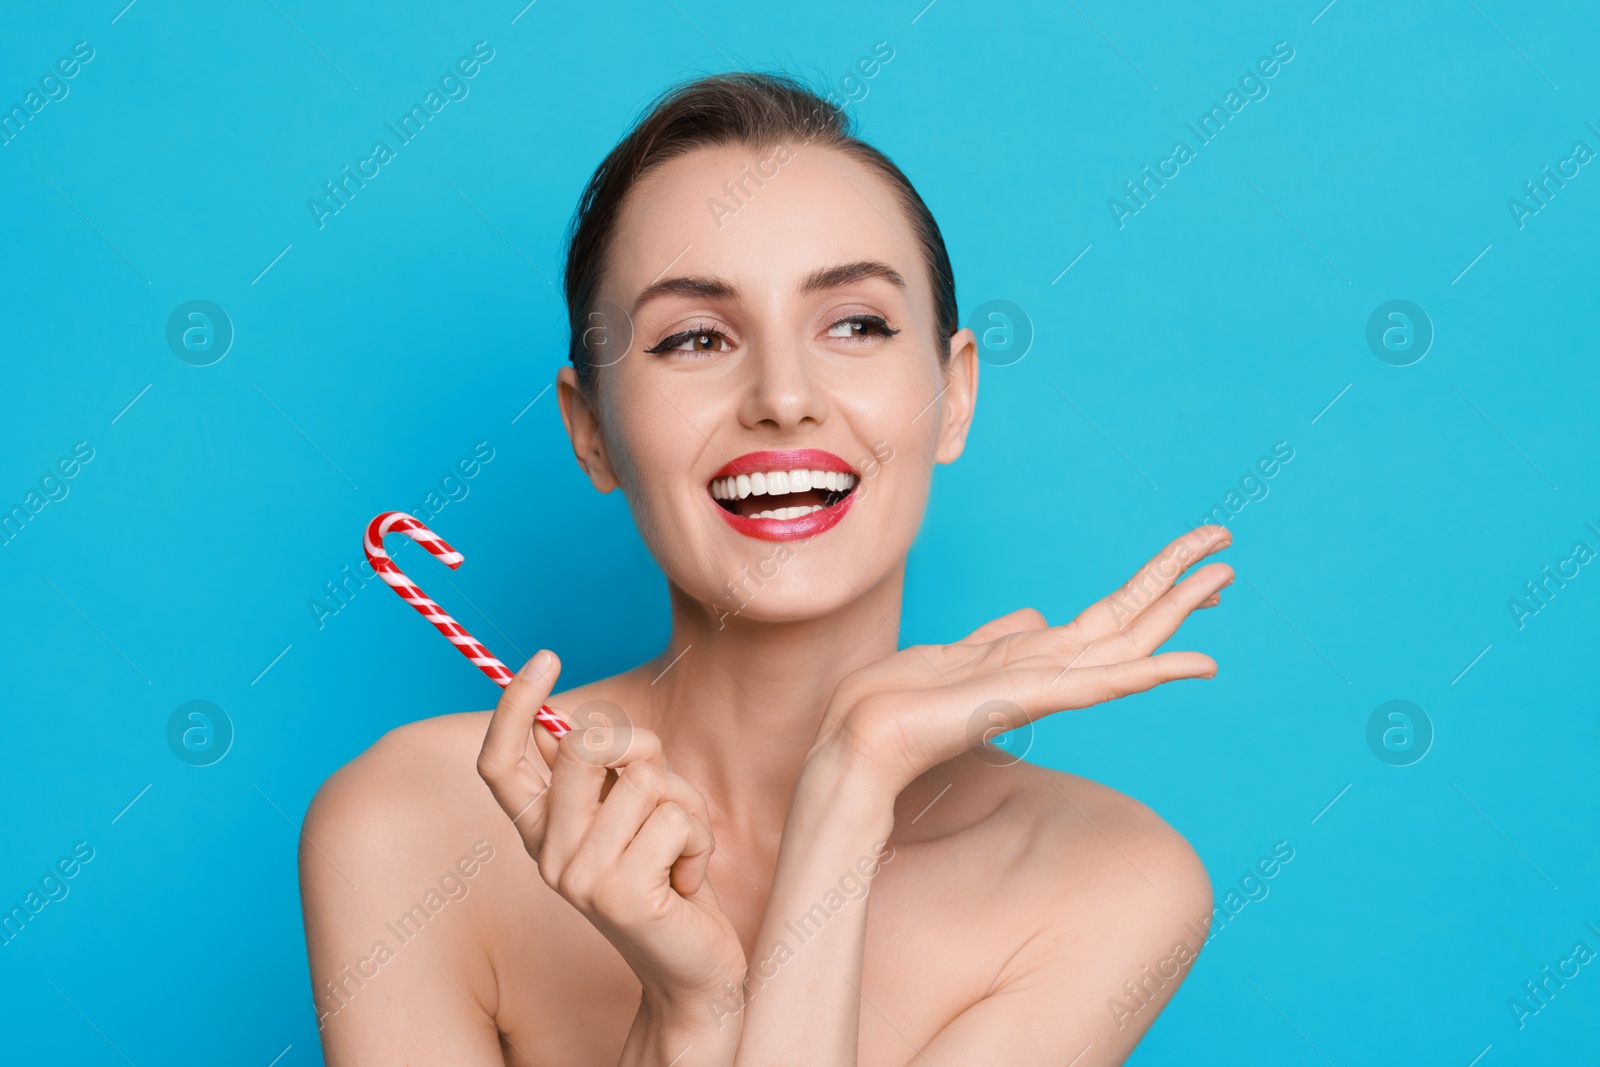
780,387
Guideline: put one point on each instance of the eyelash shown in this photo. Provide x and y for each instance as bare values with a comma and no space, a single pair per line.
875,324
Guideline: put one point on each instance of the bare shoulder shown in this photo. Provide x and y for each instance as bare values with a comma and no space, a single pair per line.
1073,836
406,786
403,837
1128,846
1128,915
1100,909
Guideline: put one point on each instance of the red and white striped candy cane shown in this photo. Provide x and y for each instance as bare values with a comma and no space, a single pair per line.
399,522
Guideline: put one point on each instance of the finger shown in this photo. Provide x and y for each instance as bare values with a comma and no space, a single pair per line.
577,781
505,743
1117,611
668,841
1085,686
1211,601
1014,622
1152,628
641,787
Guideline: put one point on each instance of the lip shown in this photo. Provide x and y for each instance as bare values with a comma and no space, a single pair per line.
787,459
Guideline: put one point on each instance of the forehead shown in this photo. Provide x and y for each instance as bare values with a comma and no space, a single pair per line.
763,218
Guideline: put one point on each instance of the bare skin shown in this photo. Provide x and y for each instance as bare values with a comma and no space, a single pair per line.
646,892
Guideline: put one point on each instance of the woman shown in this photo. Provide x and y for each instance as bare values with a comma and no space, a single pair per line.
767,361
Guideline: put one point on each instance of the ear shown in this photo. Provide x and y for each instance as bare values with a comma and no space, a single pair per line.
583,427
960,396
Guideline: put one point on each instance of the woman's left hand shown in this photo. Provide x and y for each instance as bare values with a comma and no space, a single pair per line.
912,710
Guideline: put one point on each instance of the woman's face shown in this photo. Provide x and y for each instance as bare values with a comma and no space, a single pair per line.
776,413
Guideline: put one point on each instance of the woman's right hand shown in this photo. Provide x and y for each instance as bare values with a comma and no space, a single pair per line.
632,860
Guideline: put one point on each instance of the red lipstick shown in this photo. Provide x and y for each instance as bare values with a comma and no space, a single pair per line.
786,460
809,525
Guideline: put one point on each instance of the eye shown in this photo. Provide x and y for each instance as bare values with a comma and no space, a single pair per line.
692,341
860,327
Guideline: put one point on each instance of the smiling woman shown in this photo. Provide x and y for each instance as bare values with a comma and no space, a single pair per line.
664,870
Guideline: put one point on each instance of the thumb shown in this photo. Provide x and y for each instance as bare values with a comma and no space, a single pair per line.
527,691
1011,623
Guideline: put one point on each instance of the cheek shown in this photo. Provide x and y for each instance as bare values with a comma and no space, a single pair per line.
896,424
645,435
651,440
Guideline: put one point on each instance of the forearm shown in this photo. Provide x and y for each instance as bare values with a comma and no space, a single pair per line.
801,998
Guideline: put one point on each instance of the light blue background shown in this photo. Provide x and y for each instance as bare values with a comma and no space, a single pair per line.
1223,317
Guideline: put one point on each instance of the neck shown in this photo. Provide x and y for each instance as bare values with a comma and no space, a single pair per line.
737,702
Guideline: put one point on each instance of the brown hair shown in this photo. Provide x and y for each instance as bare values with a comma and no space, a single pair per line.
759,110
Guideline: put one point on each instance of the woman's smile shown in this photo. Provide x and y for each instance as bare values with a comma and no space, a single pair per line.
784,495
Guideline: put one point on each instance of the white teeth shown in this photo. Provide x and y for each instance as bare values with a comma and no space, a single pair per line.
777,483
787,513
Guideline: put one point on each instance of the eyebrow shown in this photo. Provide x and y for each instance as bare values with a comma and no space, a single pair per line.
711,288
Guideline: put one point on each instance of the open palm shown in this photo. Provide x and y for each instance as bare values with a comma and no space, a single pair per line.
916,708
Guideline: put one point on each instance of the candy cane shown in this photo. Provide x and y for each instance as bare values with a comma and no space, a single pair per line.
466,644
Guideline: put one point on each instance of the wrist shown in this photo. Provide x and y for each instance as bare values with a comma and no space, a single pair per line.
844,768
666,1029
691,1012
